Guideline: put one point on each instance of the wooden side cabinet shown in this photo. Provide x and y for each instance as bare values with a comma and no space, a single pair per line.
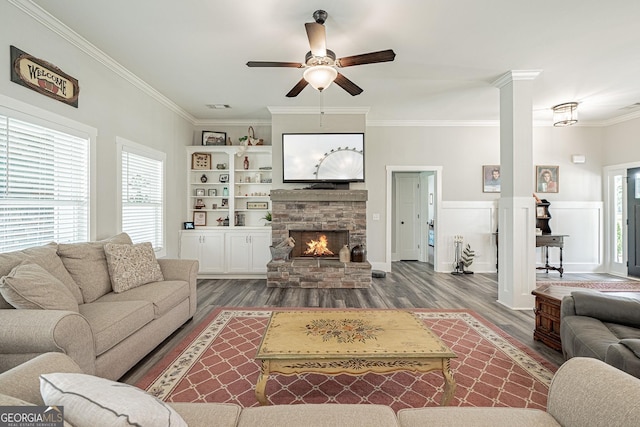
547,311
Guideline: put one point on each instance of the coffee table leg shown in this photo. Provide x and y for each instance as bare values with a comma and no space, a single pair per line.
262,383
449,383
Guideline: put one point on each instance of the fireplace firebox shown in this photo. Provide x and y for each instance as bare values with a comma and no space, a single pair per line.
318,243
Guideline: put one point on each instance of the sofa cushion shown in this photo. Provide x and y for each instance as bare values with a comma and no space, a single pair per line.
585,336
207,414
480,417
112,322
607,307
131,265
87,264
317,415
94,401
633,345
29,286
623,331
46,257
164,295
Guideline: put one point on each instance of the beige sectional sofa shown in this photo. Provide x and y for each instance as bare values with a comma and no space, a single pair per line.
104,332
584,392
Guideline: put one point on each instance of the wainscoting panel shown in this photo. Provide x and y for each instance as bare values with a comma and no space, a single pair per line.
477,222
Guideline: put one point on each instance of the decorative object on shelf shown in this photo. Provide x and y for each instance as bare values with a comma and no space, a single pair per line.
200,161
548,178
225,223
188,225
199,204
199,218
239,220
225,191
246,163
463,257
250,138
257,205
358,253
204,178
225,202
214,206
267,218
221,166
213,192
213,138
229,141
345,254
491,179
220,221
543,216
199,192
224,177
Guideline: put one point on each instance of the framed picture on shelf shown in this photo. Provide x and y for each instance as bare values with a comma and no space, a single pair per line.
188,225
224,177
199,218
213,192
541,212
201,161
547,179
225,202
199,192
214,138
491,178
257,205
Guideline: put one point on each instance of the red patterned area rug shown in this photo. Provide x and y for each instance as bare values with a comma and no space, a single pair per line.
216,364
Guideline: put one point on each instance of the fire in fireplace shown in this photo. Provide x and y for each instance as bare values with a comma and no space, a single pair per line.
314,243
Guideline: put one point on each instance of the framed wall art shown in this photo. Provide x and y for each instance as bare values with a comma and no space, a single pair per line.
491,178
214,138
257,205
213,192
224,177
547,179
201,161
199,218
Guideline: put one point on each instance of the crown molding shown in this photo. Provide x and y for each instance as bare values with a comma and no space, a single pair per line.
318,110
432,123
231,122
515,75
59,28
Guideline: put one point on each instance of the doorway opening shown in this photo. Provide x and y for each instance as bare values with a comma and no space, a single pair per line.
413,202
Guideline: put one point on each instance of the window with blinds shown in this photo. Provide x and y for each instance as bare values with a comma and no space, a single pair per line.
143,195
44,185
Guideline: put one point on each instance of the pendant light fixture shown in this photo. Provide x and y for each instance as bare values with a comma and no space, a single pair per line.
565,114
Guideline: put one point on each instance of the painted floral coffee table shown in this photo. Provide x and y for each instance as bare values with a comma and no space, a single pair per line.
353,342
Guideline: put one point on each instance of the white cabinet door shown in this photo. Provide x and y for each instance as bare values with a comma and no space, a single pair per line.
207,248
238,252
248,251
260,254
212,253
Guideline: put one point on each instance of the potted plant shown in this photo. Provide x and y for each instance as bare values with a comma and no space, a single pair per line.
267,218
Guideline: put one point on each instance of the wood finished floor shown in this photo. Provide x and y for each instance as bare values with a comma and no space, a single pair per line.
409,285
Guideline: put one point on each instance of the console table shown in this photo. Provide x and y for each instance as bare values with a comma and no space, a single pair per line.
547,241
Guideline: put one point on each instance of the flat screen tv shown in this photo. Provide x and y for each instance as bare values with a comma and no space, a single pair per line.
323,157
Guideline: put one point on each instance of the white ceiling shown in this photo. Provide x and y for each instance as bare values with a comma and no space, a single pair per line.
448,53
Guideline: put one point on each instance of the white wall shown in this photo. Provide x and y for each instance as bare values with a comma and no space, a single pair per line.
107,102
621,143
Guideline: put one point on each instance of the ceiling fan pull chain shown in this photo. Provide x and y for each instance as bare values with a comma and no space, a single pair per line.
321,108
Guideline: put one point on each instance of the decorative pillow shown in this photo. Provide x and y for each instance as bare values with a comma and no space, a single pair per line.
94,401
87,265
132,265
29,286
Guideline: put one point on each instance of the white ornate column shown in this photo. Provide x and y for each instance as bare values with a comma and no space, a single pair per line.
516,208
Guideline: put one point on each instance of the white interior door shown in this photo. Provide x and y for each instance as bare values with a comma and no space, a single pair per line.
408,215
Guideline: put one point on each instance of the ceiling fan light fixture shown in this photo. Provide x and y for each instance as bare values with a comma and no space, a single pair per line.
320,76
565,114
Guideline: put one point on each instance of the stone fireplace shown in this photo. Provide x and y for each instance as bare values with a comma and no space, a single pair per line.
311,216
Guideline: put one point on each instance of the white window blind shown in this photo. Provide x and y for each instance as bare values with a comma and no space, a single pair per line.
143,196
44,185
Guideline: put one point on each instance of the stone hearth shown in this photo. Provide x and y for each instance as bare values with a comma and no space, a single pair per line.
320,210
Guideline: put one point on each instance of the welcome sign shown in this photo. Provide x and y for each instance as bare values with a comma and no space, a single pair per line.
43,77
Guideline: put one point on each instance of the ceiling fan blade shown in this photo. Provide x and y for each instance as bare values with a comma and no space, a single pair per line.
317,35
274,64
297,88
348,85
366,58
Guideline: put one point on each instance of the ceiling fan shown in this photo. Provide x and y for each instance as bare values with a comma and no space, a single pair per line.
320,63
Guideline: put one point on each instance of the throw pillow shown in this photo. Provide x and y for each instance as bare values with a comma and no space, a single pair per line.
94,401
29,286
87,265
132,265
